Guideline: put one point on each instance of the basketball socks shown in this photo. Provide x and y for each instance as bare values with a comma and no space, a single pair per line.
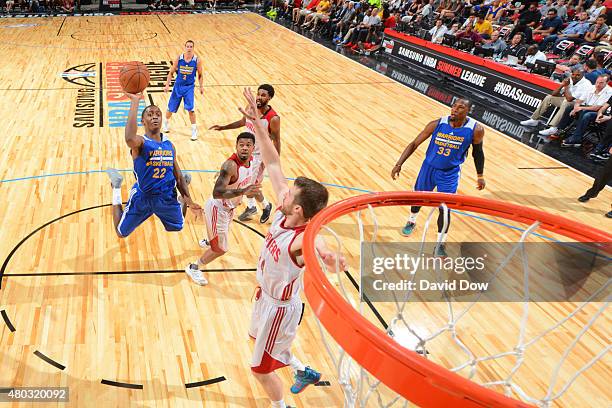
264,203
442,237
413,217
251,203
167,125
279,404
116,196
194,131
296,364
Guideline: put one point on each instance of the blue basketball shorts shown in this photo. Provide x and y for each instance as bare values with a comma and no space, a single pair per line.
444,181
185,94
141,206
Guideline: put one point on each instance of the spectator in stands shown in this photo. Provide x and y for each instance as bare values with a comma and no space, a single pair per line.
483,27
322,9
343,23
174,5
495,42
437,31
456,6
596,31
428,9
353,31
546,7
471,21
516,48
585,110
561,9
564,69
414,8
574,31
562,98
602,149
309,9
9,6
322,15
527,21
68,6
391,21
442,6
497,11
533,54
596,10
470,34
550,25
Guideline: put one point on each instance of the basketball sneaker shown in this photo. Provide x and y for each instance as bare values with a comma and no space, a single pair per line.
530,122
194,133
440,251
265,216
187,177
408,228
115,177
195,274
609,214
247,214
304,378
203,243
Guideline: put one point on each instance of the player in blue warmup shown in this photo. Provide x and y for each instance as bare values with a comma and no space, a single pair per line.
186,66
157,176
451,137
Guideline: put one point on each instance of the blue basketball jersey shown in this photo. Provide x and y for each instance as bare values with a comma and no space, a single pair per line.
186,71
448,146
154,166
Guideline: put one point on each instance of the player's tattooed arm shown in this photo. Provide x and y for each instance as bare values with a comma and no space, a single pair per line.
228,171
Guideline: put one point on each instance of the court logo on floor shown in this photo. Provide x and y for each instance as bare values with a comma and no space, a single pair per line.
86,99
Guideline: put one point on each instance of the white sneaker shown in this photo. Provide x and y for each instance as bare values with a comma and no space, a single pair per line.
203,243
549,131
530,122
195,274
166,128
194,134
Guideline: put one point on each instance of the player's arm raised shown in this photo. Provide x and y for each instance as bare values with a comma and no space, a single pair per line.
269,154
478,155
229,170
201,76
183,188
234,125
173,69
412,146
132,139
275,133
330,258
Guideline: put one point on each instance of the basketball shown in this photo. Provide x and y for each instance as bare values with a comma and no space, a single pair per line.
134,77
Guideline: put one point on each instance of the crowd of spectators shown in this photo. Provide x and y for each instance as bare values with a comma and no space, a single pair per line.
37,6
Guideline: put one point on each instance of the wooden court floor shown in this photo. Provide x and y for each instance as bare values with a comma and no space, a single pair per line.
123,311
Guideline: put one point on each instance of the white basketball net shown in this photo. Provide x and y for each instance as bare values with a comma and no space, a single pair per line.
363,390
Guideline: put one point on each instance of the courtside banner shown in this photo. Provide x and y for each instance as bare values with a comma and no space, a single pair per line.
514,91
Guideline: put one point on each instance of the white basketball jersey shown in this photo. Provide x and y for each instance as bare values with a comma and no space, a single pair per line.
277,271
245,174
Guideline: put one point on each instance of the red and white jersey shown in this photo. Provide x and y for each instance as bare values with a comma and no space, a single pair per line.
245,174
278,273
267,118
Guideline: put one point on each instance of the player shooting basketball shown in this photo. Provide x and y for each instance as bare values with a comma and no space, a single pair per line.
278,308
157,176
451,137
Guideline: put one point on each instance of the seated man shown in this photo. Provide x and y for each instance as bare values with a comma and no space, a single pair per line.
564,69
575,31
516,48
437,31
469,33
533,54
322,9
585,110
527,21
550,25
563,98
483,27
596,31
496,43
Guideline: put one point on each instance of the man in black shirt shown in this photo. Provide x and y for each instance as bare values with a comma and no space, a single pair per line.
527,21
